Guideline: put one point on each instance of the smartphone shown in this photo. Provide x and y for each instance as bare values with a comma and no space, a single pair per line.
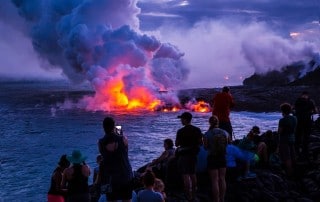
119,130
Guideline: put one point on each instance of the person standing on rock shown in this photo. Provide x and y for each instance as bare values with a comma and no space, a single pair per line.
215,141
304,109
188,141
222,104
286,130
56,193
115,173
75,178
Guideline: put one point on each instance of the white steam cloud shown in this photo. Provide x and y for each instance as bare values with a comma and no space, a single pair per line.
100,41
225,53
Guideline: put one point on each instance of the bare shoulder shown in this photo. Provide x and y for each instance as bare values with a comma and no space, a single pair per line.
68,172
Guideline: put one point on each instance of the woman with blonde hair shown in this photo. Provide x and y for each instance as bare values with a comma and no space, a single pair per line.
215,141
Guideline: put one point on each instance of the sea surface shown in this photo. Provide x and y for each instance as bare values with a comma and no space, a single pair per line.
35,132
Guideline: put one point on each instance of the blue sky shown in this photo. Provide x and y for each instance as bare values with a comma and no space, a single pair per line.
222,41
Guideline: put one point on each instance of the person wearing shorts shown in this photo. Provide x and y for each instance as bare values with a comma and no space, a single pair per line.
188,141
215,141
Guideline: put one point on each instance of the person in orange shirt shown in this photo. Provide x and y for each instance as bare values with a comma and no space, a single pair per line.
222,103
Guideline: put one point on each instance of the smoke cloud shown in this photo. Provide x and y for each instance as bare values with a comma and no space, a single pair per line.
18,58
100,41
224,52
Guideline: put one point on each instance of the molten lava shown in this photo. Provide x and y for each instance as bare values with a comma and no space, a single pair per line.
113,94
198,106
202,106
115,97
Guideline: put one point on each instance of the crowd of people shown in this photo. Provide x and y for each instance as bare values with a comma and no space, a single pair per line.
226,159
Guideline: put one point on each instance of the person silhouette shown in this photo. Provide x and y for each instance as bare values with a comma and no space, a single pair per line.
115,170
222,104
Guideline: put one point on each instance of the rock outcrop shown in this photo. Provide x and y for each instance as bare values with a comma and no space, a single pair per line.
255,98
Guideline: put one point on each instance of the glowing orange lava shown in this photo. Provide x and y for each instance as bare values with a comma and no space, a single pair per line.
199,106
112,94
138,98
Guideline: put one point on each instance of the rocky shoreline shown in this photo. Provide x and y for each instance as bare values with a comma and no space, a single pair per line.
270,184
255,99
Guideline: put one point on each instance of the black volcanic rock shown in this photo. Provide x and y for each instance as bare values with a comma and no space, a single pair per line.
285,76
311,78
295,74
256,99
265,92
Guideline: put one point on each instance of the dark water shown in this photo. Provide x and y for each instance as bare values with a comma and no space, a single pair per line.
34,132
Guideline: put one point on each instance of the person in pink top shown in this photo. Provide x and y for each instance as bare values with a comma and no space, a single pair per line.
222,104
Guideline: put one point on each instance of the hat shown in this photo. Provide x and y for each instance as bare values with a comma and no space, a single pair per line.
76,157
255,129
185,115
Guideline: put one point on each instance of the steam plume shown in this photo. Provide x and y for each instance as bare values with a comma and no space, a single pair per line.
100,41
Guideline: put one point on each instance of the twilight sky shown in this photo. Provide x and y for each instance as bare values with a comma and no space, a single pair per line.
208,43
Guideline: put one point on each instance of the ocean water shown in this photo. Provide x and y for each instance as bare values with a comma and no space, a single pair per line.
34,133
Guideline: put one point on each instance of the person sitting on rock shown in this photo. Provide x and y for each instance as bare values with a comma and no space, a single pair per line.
159,165
238,163
253,143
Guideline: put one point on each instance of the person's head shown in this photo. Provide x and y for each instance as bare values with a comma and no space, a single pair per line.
186,118
226,89
255,130
108,125
63,162
158,185
285,108
76,157
214,121
148,178
168,143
